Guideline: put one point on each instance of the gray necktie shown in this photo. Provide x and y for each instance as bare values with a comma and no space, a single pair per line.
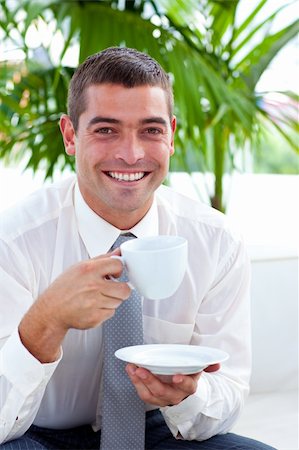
123,418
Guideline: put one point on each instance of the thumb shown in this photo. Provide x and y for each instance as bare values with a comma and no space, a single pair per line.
115,252
212,368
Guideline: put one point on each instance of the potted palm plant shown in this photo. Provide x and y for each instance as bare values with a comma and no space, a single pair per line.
214,58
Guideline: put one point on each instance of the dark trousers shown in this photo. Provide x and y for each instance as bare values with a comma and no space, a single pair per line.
157,437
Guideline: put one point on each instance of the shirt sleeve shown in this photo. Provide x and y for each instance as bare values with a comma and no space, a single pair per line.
223,321
23,380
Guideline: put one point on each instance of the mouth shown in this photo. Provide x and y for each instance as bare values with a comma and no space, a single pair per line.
127,176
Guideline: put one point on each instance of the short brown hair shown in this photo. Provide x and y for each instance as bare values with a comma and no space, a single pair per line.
117,65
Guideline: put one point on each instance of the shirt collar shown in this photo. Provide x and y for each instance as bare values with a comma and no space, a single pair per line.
98,235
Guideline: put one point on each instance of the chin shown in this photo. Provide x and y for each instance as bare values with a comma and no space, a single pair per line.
127,206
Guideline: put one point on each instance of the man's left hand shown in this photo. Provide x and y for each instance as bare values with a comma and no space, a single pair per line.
151,389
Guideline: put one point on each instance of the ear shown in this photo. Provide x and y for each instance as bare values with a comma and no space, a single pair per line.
173,128
68,134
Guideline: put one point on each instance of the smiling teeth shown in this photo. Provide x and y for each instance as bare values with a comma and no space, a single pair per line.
126,176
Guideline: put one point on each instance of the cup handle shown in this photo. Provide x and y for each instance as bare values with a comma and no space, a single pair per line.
111,277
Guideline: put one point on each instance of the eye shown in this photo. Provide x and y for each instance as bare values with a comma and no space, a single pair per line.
154,130
104,130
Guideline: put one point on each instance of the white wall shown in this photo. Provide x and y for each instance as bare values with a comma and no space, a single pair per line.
274,325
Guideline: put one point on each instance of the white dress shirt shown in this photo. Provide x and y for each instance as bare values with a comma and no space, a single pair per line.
53,229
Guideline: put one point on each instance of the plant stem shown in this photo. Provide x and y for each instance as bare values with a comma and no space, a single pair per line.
220,142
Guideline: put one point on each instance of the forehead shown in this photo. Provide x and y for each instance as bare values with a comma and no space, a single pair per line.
122,101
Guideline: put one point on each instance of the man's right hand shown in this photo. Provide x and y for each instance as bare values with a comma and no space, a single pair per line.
82,297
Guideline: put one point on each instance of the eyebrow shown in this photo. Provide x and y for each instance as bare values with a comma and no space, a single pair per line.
157,119
148,120
100,119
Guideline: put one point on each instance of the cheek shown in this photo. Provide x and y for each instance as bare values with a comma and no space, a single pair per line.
165,156
88,155
84,164
160,152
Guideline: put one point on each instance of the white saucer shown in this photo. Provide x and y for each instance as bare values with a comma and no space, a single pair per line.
171,359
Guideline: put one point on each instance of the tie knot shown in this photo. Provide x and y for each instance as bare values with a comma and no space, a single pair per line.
122,238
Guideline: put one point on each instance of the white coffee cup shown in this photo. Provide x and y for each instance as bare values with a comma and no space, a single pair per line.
156,265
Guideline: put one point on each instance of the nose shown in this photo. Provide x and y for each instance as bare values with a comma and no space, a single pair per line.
130,150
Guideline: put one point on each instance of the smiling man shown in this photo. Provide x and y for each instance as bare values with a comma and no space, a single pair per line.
60,312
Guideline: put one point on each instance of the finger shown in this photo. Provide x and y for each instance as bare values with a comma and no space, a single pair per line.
152,389
186,383
212,368
110,303
117,290
114,252
180,378
156,387
113,266
139,385
105,266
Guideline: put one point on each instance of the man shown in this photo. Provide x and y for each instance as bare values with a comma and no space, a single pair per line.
56,295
